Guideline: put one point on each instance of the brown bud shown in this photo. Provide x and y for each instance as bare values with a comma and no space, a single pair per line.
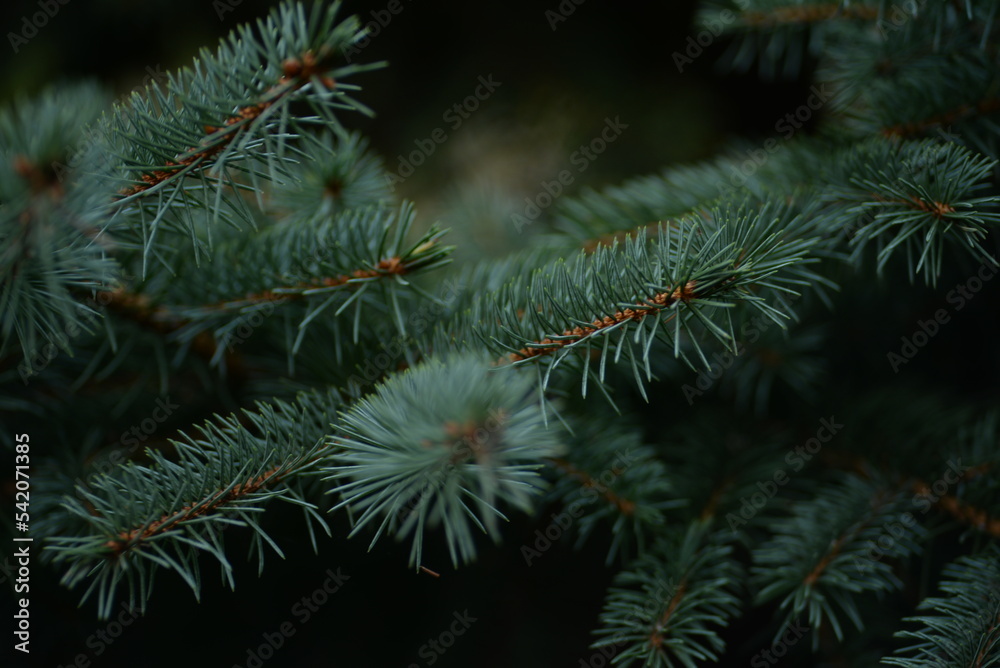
291,67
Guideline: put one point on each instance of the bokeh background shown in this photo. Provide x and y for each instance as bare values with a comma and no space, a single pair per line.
557,87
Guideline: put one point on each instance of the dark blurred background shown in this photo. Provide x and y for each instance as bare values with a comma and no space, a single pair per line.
557,87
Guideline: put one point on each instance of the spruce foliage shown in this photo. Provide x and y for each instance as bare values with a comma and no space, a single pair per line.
683,363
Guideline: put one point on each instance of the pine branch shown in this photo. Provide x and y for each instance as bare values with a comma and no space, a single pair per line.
661,611
182,147
831,549
962,112
445,444
714,464
963,512
779,14
780,35
915,197
141,518
928,73
965,631
336,172
674,281
324,264
48,250
948,466
610,482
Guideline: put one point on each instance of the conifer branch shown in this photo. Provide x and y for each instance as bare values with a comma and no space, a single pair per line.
808,13
815,570
610,480
984,107
965,627
624,506
226,126
430,425
662,625
691,267
974,441
666,607
325,264
913,196
140,518
445,443
49,250
963,512
297,72
388,267
652,306
612,238
135,539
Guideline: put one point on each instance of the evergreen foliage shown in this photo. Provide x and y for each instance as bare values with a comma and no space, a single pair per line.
660,367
